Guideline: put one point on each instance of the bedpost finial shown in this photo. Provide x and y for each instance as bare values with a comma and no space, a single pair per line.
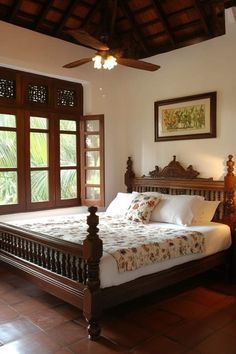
129,175
92,210
230,166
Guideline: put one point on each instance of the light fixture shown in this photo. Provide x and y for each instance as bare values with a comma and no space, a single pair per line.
104,61
97,62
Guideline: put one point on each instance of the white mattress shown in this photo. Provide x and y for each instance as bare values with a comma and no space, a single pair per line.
218,238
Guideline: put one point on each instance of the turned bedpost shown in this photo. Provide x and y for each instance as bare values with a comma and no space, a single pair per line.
129,175
230,184
92,250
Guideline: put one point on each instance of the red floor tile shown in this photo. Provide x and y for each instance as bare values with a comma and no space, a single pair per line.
67,333
159,345
189,333
103,346
218,343
125,333
7,313
37,343
15,329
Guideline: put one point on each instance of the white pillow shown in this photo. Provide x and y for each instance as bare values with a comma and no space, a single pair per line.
176,209
120,204
206,212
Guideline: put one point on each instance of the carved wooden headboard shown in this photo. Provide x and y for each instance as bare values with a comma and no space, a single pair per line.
175,179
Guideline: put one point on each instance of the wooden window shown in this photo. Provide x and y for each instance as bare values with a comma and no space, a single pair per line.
43,136
92,160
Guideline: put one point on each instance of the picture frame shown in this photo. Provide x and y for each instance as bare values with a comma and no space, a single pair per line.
189,117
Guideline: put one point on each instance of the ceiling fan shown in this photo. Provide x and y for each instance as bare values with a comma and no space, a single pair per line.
105,57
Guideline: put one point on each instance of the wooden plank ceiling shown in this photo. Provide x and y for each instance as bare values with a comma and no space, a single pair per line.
141,28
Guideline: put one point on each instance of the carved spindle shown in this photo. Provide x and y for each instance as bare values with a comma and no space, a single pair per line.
31,251
129,175
63,264
92,251
58,263
74,268
52,261
39,255
43,257
230,183
68,266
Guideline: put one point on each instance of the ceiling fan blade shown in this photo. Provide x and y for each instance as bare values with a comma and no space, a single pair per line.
137,64
77,63
86,39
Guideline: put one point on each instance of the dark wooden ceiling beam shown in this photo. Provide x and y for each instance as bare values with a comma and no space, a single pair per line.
143,9
135,29
202,17
93,10
164,21
14,10
72,5
43,14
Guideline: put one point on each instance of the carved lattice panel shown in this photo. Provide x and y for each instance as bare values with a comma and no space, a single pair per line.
7,88
66,97
38,94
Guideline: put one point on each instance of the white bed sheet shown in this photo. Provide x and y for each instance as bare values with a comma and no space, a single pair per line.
218,238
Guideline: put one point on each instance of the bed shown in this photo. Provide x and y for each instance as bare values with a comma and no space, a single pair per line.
85,275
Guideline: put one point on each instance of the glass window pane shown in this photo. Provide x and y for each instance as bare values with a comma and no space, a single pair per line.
39,186
38,123
7,120
92,125
8,156
92,141
93,158
38,149
68,184
68,150
92,193
8,188
93,177
69,125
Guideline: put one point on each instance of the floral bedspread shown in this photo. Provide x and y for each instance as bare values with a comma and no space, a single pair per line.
132,244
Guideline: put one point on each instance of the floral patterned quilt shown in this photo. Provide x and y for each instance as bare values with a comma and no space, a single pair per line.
132,244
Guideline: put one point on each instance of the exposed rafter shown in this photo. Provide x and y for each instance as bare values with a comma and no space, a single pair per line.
73,4
165,24
94,9
202,17
136,32
43,14
14,10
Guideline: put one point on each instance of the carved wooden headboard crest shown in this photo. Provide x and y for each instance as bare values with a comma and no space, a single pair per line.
174,170
175,179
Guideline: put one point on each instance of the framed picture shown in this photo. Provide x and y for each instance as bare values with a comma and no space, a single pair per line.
190,117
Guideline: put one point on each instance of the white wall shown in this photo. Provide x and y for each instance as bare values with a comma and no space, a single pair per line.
126,96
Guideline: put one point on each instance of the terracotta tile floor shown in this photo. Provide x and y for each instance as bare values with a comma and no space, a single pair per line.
196,317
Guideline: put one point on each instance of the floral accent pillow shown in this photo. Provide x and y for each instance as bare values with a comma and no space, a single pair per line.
141,208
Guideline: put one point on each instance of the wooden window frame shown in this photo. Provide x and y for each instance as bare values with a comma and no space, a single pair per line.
84,199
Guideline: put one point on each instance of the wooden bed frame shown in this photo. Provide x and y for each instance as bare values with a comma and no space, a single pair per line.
71,271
